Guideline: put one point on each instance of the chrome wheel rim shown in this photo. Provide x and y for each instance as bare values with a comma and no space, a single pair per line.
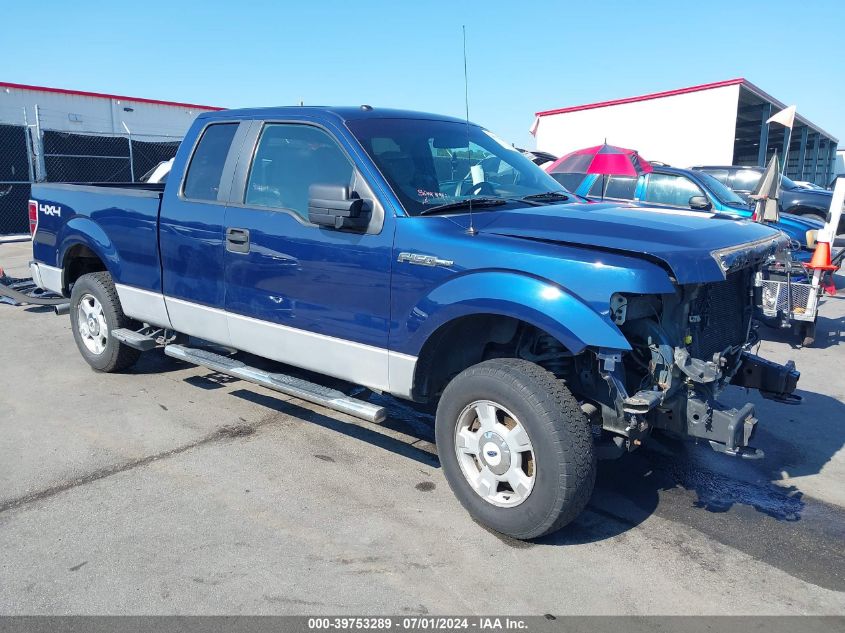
91,323
495,453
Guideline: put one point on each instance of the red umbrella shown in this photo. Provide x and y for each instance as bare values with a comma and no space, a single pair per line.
607,160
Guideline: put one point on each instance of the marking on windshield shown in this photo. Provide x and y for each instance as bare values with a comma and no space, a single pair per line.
427,195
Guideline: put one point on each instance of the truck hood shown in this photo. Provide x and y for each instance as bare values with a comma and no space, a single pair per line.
694,246
820,197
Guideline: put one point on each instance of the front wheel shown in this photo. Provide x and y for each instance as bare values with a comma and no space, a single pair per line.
515,447
95,312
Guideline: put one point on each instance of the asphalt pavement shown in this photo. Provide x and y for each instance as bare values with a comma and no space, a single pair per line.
174,490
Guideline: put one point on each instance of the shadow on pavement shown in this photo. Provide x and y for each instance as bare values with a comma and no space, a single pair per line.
633,488
350,429
830,332
777,525
155,362
732,501
817,426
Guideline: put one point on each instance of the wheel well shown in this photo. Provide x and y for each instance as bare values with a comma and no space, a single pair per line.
468,340
80,260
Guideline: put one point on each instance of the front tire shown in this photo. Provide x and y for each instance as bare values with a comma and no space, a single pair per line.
95,312
515,447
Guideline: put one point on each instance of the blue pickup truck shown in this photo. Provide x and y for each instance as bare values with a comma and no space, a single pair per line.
421,256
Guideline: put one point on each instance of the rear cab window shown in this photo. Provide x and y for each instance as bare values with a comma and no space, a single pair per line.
202,181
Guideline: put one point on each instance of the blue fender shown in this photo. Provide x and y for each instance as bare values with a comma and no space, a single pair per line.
82,230
537,301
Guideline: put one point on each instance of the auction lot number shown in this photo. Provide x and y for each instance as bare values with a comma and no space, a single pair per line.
350,623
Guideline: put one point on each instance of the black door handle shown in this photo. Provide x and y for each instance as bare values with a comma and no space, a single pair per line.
237,240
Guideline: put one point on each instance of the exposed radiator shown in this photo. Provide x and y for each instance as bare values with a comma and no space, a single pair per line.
720,315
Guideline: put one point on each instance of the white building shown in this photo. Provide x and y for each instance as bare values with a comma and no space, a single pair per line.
59,135
721,123
78,111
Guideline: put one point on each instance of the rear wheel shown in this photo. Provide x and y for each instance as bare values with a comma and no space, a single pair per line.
515,447
95,312
808,334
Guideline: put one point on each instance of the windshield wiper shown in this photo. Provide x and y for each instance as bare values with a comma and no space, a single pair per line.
464,204
547,195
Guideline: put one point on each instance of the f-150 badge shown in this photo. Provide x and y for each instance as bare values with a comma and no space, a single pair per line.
423,260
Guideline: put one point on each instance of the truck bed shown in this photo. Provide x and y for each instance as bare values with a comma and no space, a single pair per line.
125,219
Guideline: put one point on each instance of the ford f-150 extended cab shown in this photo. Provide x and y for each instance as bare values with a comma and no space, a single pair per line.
421,256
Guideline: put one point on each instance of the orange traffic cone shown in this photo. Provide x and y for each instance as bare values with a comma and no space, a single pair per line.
821,258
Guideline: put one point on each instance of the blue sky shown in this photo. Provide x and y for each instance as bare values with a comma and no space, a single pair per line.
522,57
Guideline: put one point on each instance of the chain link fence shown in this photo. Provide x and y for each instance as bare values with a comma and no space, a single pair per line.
29,154
15,178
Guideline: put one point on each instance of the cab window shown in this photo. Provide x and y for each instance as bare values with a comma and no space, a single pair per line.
615,187
202,181
722,175
288,160
570,181
746,180
671,190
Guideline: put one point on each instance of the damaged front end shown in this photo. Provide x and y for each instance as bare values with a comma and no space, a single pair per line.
686,348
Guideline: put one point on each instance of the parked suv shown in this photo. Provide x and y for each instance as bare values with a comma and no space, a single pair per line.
673,188
794,199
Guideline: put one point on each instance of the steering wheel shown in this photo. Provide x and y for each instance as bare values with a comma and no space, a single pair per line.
482,187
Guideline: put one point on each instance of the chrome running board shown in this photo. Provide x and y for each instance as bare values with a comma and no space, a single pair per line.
289,385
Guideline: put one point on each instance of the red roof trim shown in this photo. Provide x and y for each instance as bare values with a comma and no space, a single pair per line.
654,95
101,95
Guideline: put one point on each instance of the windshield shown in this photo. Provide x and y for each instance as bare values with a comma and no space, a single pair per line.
434,163
788,183
725,195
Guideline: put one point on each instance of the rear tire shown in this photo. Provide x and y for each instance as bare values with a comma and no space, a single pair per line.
482,461
95,312
808,334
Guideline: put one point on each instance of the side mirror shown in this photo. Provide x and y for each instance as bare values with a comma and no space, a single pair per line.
332,206
700,203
